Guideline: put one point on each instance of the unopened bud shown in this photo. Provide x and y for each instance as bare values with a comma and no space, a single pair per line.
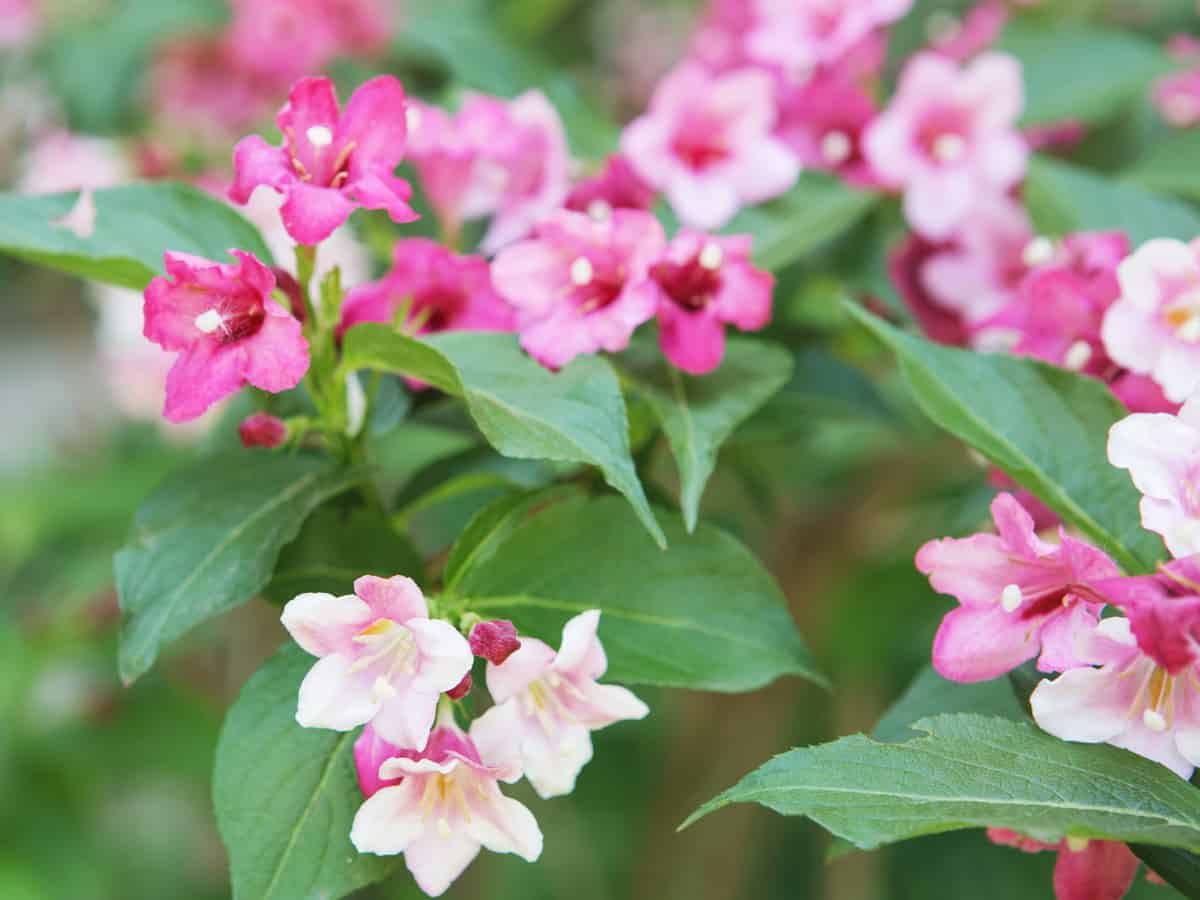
495,641
461,689
262,430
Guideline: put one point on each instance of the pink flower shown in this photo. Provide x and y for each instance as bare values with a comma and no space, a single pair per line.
1141,394
823,121
20,21
1085,869
1163,611
579,285
949,138
803,34
495,641
1177,98
382,659
547,705
226,329
370,753
1154,328
1162,453
616,186
438,291
1019,596
262,430
1058,136
461,689
1183,48
706,142
446,806
976,31
62,161
331,161
198,88
703,283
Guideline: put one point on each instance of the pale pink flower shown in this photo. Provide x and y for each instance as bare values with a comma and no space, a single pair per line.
548,704
719,42
437,290
331,161
948,138
1019,596
1177,98
228,331
1085,869
1154,328
704,283
382,659
1162,453
61,161
801,35
823,121
616,186
580,285
20,21
706,143
445,807
262,430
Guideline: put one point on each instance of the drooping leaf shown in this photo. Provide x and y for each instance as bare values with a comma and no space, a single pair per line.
207,539
698,414
1045,426
133,225
702,614
576,415
930,694
285,796
970,771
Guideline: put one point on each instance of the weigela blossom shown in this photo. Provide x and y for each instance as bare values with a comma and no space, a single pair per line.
331,161
370,753
445,807
707,143
800,35
823,121
382,659
548,704
198,89
581,285
948,138
1019,596
228,331
1154,328
704,283
616,186
1162,453
1085,869
1177,98
437,290
262,430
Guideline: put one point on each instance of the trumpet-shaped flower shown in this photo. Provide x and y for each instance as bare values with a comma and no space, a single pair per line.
800,35
1085,869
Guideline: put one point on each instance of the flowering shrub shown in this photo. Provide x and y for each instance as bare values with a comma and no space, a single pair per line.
596,312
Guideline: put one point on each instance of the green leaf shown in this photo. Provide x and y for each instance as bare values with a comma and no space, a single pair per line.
1062,198
1045,426
699,414
1170,166
971,771
285,796
206,541
930,694
1080,73
134,225
702,614
1178,868
576,415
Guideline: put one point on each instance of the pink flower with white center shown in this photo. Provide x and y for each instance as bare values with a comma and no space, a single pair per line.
1154,328
800,35
445,807
823,121
1162,453
228,331
704,283
616,186
579,285
706,143
437,291
331,161
548,704
1019,596
382,659
1177,98
949,138
1085,869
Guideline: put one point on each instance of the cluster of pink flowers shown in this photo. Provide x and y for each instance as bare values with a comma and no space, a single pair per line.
432,789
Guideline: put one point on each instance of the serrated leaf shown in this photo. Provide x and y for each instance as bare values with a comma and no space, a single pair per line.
285,796
207,539
134,224
1045,426
702,614
575,415
970,771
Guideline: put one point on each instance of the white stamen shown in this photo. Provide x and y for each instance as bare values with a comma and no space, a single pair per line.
949,148
382,689
1154,720
208,321
599,210
1038,252
1010,598
319,136
443,827
582,271
836,147
1078,355
412,117
711,256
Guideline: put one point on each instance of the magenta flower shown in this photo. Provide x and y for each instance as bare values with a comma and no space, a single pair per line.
1019,596
381,659
948,138
800,35
445,807
579,285
495,641
1154,328
370,753
1085,869
437,290
262,430
616,186
228,331
704,283
548,704
330,161
823,121
706,142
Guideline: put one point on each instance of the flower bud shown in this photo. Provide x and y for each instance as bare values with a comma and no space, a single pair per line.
461,689
262,430
495,641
